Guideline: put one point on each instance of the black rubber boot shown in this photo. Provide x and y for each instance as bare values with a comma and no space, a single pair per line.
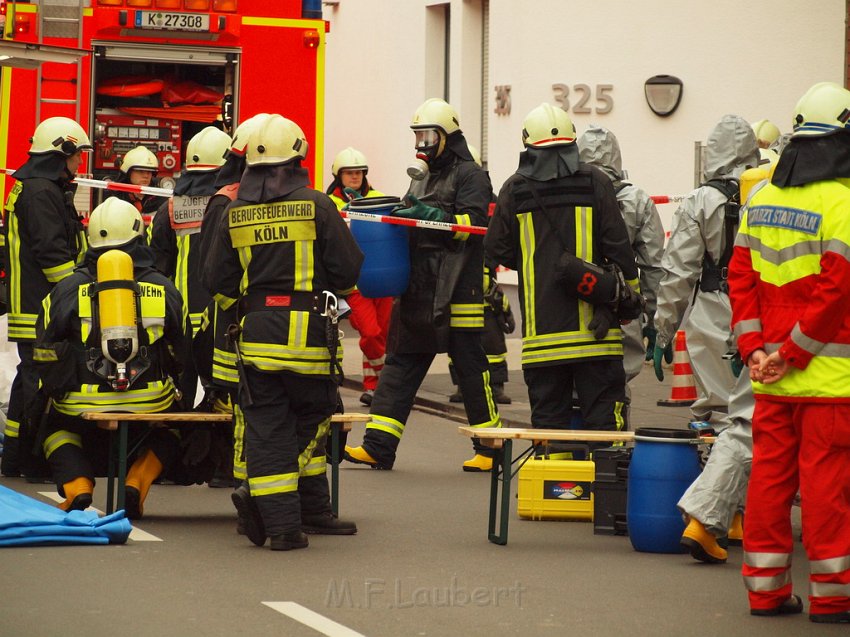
791,606
249,515
289,541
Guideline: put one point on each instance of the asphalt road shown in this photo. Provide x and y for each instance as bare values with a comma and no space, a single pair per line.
420,564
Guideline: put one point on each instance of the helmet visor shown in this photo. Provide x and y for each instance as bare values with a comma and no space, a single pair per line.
426,138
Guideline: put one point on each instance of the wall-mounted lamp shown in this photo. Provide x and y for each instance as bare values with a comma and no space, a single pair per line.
663,94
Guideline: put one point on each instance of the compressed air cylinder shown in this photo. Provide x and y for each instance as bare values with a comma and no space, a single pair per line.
119,337
749,178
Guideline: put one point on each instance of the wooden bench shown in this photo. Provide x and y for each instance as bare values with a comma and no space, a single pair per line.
500,439
117,424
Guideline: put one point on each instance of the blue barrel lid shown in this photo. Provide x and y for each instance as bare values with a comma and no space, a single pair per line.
665,433
373,204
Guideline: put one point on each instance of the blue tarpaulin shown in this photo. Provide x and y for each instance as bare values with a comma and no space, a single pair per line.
28,522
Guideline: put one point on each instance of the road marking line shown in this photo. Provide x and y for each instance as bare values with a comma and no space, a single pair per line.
317,622
136,534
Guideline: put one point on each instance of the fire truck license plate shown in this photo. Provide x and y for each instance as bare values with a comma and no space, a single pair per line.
172,21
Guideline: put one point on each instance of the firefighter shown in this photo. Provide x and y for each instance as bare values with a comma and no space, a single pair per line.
442,308
139,167
174,232
695,265
557,223
78,375
599,147
44,241
284,252
789,281
370,317
766,133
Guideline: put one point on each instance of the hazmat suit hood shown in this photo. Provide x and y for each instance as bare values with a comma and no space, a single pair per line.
731,148
599,147
809,159
264,183
196,184
546,164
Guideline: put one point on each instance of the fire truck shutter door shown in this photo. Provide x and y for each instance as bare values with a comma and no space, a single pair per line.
159,53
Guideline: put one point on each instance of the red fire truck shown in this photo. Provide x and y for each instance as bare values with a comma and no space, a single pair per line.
155,72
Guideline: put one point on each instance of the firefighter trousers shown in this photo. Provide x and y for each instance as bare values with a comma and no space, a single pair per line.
495,347
805,445
401,378
77,448
599,384
285,427
371,318
17,455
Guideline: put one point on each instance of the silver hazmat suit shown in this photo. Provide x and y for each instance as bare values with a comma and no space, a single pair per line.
698,230
599,146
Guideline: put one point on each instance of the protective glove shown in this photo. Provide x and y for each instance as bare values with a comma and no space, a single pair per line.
509,324
659,354
649,333
419,210
603,319
353,194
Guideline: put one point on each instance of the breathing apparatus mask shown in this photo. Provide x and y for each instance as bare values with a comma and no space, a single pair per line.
430,143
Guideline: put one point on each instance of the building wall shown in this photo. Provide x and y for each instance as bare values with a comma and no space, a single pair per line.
384,58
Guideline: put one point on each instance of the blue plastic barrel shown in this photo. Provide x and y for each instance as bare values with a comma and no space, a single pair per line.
386,266
664,464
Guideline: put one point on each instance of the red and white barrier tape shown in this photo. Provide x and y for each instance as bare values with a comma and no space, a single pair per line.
113,185
412,223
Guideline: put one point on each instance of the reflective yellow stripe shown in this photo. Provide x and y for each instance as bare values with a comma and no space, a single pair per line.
275,357
303,266
467,315
155,397
58,272
462,220
271,485
240,470
44,355
385,424
181,273
224,302
245,256
494,419
13,268
584,250
60,438
528,245
12,429
316,467
22,326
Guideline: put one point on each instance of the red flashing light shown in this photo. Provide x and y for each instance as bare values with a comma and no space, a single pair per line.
311,39
228,6
22,23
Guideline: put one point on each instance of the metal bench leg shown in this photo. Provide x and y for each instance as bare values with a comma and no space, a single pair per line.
335,468
122,463
501,473
110,471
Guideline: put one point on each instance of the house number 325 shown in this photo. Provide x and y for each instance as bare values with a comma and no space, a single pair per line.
576,99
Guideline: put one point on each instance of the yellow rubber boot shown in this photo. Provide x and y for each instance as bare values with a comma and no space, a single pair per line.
478,462
144,471
359,455
702,545
77,494
736,529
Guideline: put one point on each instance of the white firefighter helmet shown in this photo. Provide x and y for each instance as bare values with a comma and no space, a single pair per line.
139,158
436,113
276,141
59,135
823,109
240,136
546,126
114,223
349,159
766,132
205,151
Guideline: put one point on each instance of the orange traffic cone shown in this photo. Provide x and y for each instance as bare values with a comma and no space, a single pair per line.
684,391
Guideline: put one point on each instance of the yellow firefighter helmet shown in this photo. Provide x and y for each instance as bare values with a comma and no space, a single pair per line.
276,141
139,158
436,113
114,223
205,151
59,135
823,109
240,136
546,126
349,159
